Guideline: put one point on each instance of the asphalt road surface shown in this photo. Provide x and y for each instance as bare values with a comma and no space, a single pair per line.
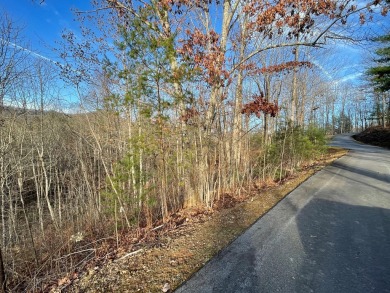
331,234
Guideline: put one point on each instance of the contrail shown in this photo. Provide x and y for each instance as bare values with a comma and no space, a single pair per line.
40,56
331,77
351,76
326,72
33,53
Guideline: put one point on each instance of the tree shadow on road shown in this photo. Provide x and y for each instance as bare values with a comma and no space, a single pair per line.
347,248
365,172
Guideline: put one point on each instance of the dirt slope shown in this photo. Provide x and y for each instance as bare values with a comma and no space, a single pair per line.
378,135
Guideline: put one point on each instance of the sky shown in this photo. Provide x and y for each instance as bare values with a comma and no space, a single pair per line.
44,23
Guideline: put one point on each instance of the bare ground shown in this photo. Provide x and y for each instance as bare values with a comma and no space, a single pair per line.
170,255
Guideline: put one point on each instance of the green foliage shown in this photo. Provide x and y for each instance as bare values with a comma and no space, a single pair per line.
291,148
130,184
380,74
145,172
317,138
147,54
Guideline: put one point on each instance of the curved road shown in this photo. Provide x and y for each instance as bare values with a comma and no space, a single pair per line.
331,234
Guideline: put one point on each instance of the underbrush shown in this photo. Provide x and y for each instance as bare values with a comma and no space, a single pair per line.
36,264
94,234
176,253
290,149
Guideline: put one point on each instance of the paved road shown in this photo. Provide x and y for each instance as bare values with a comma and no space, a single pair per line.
331,234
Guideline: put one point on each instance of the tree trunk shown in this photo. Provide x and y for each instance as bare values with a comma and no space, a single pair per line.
294,96
3,280
216,88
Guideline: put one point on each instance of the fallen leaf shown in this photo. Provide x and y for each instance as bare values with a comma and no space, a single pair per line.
166,287
65,281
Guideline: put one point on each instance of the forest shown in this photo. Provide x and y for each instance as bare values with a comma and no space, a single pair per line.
175,104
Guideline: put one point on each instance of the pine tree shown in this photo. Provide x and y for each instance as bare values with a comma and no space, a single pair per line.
381,73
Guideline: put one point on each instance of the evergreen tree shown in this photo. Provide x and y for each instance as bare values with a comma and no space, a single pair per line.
381,73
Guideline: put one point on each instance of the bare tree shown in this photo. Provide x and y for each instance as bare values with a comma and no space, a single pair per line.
12,67
12,54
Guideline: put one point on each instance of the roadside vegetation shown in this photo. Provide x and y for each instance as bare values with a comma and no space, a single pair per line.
168,256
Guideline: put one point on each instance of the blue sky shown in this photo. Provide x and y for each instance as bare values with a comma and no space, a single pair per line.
44,23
